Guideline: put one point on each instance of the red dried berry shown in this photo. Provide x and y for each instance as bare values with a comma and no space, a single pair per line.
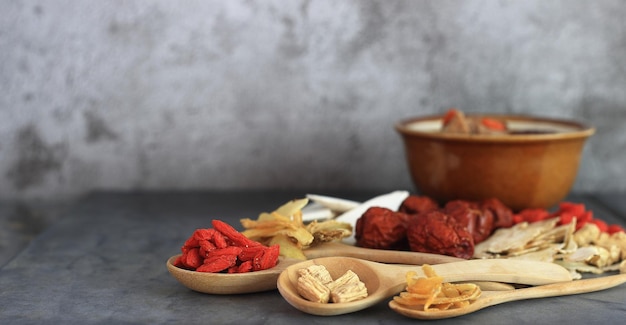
192,258
203,234
231,233
217,263
270,257
614,228
219,240
230,250
224,249
248,253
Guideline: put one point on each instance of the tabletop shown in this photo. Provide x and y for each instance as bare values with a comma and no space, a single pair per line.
104,262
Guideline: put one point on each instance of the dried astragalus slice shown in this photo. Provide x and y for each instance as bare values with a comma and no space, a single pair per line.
329,230
285,227
347,287
505,241
312,283
317,271
315,284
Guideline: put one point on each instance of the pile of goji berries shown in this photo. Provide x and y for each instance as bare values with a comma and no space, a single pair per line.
224,249
567,212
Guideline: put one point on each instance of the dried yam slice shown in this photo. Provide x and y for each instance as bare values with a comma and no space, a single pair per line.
516,237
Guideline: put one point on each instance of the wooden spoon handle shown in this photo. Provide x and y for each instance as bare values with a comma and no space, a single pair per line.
504,270
558,289
376,255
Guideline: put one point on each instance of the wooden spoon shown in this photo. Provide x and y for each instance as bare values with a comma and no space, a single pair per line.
330,249
220,283
490,298
385,280
224,283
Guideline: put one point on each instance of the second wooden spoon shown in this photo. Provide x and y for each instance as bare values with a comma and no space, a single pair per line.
385,280
491,298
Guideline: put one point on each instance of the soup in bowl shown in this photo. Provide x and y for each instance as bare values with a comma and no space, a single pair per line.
530,163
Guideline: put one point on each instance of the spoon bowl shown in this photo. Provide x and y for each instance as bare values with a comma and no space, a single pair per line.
491,298
224,283
385,280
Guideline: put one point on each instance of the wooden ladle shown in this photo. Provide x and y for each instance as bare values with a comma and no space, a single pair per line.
490,298
385,280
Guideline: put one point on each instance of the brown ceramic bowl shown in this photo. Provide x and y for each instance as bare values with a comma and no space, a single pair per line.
522,170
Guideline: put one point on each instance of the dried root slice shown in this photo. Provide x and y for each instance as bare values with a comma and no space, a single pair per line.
318,272
315,284
329,230
311,287
347,288
285,227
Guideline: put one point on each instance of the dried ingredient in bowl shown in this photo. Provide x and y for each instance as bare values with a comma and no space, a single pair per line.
316,284
431,293
454,121
224,249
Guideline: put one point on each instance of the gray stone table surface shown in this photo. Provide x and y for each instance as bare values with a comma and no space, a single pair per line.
104,262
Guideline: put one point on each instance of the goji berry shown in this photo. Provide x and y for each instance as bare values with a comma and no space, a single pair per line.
614,228
585,217
191,242
257,261
450,114
531,215
566,218
219,241
178,262
203,234
577,209
224,249
192,258
231,233
248,253
230,250
270,257
217,263
184,249
493,124
207,246
245,267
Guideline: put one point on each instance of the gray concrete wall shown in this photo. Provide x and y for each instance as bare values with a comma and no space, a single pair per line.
287,94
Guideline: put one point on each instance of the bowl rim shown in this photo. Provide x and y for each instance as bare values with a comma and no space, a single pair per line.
581,131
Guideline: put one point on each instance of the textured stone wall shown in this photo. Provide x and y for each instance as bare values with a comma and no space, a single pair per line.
287,94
